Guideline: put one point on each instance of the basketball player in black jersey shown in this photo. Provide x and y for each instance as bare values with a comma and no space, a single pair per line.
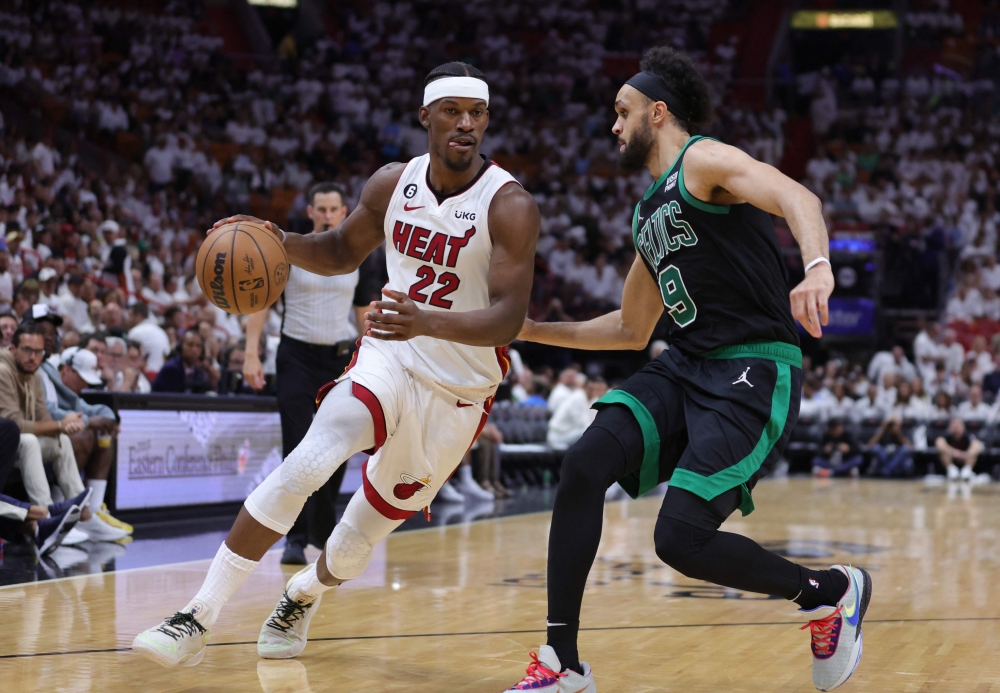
712,414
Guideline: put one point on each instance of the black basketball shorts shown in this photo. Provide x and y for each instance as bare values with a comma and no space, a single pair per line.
714,422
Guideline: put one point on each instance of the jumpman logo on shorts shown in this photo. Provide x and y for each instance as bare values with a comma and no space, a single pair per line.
743,378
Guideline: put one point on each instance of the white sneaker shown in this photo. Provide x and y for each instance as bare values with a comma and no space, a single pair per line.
447,494
952,473
179,641
543,674
285,633
75,536
966,473
97,529
468,487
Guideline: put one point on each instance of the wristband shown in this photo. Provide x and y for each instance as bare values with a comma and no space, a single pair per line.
283,234
818,261
60,427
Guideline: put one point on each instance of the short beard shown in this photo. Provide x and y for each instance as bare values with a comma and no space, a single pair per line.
636,153
458,166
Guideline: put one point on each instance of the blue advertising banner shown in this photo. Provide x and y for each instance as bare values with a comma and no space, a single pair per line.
850,316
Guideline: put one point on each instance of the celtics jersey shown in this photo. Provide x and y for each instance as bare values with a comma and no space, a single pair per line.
718,267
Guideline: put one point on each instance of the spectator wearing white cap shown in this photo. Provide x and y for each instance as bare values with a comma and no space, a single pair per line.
48,284
95,444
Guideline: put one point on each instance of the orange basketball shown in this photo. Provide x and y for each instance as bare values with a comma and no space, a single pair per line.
242,267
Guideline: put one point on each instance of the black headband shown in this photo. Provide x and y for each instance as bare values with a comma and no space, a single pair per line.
653,86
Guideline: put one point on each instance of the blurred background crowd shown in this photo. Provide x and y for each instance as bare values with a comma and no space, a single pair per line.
126,132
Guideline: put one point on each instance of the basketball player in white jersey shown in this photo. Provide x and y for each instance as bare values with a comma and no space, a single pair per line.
460,239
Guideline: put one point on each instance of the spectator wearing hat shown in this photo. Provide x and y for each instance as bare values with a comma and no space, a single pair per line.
48,285
22,399
94,446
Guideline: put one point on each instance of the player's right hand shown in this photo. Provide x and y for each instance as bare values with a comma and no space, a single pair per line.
253,372
273,228
811,297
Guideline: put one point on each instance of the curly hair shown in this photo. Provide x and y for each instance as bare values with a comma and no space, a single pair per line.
455,69
683,79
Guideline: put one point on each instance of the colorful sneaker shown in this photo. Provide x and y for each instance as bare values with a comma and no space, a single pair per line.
543,674
285,633
114,521
836,638
179,641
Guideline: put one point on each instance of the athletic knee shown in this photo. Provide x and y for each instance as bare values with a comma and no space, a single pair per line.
348,552
587,465
273,504
678,544
313,461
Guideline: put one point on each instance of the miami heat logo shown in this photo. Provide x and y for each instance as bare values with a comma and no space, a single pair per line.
409,485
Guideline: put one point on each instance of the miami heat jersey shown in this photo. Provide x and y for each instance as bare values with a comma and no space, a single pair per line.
438,251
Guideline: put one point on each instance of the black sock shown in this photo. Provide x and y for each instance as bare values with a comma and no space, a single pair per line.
596,460
820,588
562,639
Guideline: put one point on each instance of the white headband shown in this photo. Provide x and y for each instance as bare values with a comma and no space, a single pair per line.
462,87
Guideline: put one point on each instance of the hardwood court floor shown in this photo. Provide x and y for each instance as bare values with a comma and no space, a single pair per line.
458,608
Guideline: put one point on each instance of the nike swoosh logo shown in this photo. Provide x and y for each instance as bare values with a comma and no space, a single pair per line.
463,404
407,208
583,689
852,614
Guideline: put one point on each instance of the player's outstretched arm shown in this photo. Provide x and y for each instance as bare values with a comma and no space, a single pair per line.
719,173
343,249
514,222
628,328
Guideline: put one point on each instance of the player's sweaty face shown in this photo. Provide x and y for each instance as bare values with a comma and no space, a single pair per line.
456,126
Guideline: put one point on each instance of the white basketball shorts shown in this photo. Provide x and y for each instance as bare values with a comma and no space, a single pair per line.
422,429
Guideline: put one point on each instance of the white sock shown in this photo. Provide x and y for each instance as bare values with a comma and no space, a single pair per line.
465,474
97,495
306,584
227,572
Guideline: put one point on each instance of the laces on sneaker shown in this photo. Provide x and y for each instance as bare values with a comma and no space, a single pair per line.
180,625
538,672
286,614
824,630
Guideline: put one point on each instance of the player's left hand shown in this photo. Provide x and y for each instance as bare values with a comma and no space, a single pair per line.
810,299
405,322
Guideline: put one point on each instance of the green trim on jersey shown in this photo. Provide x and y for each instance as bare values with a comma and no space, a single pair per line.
779,352
708,487
649,473
659,181
695,202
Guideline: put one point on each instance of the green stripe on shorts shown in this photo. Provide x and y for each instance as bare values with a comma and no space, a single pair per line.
779,352
708,487
649,473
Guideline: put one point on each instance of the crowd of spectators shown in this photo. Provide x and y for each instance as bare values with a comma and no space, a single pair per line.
110,256
210,137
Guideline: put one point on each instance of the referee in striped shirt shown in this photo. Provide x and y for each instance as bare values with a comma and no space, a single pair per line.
317,340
